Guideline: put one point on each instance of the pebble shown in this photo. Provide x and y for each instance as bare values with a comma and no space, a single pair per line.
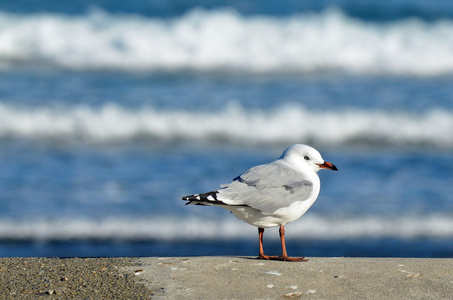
293,295
274,273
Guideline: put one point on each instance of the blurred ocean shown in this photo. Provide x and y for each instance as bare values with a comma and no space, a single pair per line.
110,111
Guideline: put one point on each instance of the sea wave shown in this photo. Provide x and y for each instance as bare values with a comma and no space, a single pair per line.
171,228
233,125
224,40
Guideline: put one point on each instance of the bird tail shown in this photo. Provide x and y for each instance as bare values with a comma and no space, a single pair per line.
209,198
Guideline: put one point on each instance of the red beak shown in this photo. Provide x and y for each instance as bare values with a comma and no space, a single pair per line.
328,165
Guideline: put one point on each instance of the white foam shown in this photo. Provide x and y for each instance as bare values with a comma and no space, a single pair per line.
172,228
225,40
234,124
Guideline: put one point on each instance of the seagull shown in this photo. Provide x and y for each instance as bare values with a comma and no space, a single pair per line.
273,194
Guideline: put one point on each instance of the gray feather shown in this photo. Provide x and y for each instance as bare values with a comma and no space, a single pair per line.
267,188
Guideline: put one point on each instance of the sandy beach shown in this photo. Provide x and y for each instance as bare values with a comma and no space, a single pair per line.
225,278
69,278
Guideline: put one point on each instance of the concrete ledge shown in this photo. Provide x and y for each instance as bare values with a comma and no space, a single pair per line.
319,278
225,278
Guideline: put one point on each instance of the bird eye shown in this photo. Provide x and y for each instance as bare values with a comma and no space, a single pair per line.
306,158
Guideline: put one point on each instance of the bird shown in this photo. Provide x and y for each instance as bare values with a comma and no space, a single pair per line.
272,194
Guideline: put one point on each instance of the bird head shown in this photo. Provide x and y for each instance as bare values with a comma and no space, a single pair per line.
305,156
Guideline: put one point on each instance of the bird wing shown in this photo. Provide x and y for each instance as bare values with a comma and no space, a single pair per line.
267,188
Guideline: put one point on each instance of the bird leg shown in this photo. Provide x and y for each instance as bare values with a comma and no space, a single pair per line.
262,256
284,255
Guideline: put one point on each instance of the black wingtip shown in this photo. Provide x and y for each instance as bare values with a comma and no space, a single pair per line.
209,198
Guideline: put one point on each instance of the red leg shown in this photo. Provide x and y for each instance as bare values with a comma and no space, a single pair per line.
284,255
262,256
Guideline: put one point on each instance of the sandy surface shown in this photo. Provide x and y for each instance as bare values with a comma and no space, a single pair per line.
225,278
69,278
319,278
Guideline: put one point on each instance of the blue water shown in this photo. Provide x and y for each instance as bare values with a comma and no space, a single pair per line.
111,111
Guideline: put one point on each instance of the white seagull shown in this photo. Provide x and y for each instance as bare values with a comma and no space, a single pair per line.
272,194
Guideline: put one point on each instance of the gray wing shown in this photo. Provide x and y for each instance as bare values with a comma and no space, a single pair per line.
267,188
